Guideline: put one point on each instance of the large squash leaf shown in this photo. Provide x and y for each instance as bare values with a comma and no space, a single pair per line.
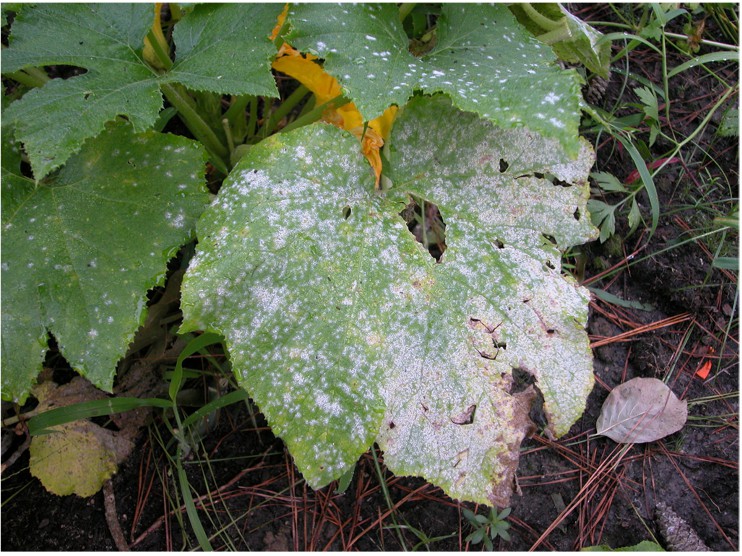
81,248
497,301
482,58
345,330
107,40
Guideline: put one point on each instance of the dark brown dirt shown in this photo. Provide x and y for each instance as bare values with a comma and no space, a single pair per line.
263,504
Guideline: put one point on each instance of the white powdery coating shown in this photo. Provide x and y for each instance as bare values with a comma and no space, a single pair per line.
500,270
342,326
301,293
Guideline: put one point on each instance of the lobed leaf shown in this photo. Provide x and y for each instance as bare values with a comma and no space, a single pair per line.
82,248
345,330
483,58
224,48
107,40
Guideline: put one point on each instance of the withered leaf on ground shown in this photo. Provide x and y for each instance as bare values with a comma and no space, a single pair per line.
641,410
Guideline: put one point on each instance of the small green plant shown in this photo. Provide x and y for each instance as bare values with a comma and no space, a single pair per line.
639,120
486,528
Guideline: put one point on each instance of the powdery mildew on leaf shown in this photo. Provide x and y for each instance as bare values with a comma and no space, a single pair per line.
82,248
482,58
346,331
304,295
501,301
224,49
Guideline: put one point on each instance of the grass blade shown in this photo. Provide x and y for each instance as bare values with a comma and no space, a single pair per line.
190,506
641,166
705,59
218,403
40,424
192,347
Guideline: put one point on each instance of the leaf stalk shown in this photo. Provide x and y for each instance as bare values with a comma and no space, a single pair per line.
200,129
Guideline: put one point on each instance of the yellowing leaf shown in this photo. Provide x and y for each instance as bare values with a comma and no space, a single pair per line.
77,458
326,88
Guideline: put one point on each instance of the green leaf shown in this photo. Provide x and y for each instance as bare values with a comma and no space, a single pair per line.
727,263
45,422
729,125
649,102
572,39
635,216
107,40
500,530
615,300
482,58
608,182
468,514
346,331
643,546
476,536
83,247
721,56
604,217
224,48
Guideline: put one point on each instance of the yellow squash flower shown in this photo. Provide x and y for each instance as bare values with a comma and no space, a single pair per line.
149,51
309,73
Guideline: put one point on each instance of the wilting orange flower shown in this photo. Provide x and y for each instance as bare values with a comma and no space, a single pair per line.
149,51
309,73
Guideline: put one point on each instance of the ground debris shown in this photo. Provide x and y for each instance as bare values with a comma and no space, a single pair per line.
678,535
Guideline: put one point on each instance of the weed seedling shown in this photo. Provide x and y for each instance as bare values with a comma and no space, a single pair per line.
487,528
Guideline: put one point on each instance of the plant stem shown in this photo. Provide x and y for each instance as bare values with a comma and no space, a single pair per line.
252,121
703,41
405,9
31,77
387,496
540,19
556,35
284,108
159,51
315,114
197,126
228,134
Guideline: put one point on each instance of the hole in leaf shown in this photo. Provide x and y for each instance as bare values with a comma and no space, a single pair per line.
522,380
577,213
425,222
503,165
499,244
466,417
346,212
64,71
549,238
548,264
548,177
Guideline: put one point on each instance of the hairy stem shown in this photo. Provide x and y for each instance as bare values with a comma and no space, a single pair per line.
197,126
